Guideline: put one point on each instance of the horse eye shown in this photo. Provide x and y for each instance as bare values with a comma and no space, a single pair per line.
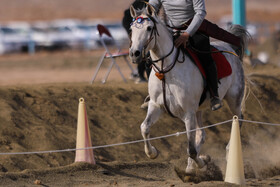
149,28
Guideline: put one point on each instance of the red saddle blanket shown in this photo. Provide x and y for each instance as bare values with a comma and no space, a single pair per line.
222,64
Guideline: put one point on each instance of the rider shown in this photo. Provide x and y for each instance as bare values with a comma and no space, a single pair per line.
178,14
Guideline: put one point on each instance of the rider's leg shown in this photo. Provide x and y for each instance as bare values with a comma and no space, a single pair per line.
213,87
201,43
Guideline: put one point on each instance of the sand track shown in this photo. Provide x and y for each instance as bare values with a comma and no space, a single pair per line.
43,117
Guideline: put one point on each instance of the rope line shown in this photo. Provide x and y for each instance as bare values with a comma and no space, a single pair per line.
257,122
136,141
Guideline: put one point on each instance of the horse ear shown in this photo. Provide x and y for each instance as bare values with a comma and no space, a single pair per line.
150,10
133,12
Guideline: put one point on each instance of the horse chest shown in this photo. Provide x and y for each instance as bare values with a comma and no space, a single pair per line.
173,95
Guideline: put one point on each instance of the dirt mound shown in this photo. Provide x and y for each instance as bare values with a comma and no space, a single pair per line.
44,117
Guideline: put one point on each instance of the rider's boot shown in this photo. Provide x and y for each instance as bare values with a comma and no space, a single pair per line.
216,103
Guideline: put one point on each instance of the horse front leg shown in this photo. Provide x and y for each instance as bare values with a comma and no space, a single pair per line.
195,139
154,111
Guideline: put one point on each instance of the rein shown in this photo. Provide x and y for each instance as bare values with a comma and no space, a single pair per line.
210,52
155,33
160,72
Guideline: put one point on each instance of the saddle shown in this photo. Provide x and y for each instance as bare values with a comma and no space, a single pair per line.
223,67
222,64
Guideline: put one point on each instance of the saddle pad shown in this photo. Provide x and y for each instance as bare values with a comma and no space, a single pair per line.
222,64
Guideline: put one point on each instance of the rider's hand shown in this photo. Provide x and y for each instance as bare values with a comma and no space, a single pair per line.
182,39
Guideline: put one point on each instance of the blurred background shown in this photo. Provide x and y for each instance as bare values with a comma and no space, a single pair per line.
70,24
42,29
35,25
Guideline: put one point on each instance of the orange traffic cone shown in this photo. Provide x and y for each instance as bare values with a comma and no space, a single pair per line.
235,168
83,136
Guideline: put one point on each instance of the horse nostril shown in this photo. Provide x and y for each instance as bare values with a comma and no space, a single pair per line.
137,53
131,54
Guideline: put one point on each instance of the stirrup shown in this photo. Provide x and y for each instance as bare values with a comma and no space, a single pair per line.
216,103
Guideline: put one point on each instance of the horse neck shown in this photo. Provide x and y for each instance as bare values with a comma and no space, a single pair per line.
163,46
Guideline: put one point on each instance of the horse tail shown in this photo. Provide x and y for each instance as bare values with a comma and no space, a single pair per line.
244,36
250,88
247,91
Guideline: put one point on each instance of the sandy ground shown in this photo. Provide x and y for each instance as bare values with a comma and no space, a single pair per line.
38,111
67,66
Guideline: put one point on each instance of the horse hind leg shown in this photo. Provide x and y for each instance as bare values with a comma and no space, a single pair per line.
199,140
195,140
152,116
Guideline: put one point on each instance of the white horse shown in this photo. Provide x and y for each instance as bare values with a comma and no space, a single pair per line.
183,83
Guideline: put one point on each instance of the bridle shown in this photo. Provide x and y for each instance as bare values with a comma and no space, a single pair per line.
154,34
160,71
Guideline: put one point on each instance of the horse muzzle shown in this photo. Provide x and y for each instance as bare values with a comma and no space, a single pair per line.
135,56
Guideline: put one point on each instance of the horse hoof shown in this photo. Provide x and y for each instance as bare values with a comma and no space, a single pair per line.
190,171
202,160
205,158
191,167
153,154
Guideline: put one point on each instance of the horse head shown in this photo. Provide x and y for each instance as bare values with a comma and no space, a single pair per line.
143,32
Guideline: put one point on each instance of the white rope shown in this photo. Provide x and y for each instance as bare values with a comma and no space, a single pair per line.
136,141
257,122
117,144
